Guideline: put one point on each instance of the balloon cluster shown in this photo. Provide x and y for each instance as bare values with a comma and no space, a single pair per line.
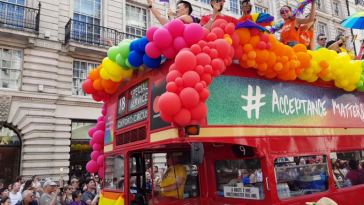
193,71
172,38
360,84
97,143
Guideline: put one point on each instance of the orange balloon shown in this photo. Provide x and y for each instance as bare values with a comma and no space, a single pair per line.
309,54
99,68
284,59
244,57
279,49
270,70
300,48
299,71
324,64
244,35
325,71
252,55
94,75
278,59
251,63
256,65
97,85
243,64
108,84
285,68
294,57
262,56
247,48
304,59
278,66
261,73
112,90
293,64
270,75
288,52
262,67
271,59
290,75
273,41
254,40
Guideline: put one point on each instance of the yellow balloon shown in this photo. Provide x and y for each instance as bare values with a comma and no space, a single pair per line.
308,70
116,79
333,54
305,76
127,73
353,79
104,75
337,84
312,79
106,61
350,87
114,69
316,56
338,72
326,78
344,83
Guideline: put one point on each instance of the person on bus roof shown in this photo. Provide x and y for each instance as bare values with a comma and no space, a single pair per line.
173,181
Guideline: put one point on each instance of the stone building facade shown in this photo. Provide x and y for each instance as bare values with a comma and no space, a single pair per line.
48,48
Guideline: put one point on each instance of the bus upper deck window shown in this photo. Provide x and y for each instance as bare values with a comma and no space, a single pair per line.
241,178
114,172
303,175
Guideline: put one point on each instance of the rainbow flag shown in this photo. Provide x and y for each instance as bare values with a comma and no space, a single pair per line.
354,38
110,198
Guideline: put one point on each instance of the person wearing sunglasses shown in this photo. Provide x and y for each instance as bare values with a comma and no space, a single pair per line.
306,35
340,46
291,28
246,7
321,40
217,6
183,13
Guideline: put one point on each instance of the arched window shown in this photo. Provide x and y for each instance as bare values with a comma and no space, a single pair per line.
10,152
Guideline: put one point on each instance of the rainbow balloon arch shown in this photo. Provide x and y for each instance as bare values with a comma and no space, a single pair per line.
199,56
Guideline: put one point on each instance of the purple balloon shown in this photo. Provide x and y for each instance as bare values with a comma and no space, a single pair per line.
95,155
101,172
99,137
100,126
98,147
101,118
92,166
100,160
91,131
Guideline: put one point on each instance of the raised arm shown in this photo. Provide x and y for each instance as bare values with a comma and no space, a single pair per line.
216,7
162,19
310,19
313,44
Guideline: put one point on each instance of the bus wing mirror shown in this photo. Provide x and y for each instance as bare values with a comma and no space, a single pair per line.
197,153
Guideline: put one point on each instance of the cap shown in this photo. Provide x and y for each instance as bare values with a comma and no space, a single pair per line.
50,183
312,160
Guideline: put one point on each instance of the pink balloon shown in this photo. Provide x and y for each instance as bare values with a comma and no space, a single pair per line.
92,142
189,97
99,137
193,33
183,117
97,147
101,118
100,160
152,50
91,131
179,43
150,33
175,27
100,126
169,52
95,155
103,112
92,166
169,103
162,38
101,172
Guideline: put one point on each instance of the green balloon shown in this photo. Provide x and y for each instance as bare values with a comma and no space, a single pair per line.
124,49
127,41
361,89
359,84
121,62
362,77
130,66
112,53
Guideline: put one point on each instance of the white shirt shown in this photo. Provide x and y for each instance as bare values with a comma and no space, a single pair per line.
15,198
21,188
37,185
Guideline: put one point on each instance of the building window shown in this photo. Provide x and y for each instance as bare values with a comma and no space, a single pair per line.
136,21
336,8
234,6
206,1
320,4
10,65
81,70
340,32
260,10
321,29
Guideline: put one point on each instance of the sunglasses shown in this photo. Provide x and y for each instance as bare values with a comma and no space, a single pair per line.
323,39
285,11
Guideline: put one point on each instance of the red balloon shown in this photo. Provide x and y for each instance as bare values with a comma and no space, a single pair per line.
199,87
172,75
166,118
183,117
195,49
179,81
88,86
205,33
179,90
92,166
202,43
235,39
254,31
169,103
102,93
261,45
97,97
185,61
211,37
268,46
189,97
203,59
172,67
238,52
199,70
223,48
219,32
206,50
207,78
199,111
211,45
172,87
208,69
213,53
216,64
216,73
232,52
190,78
265,37
204,94
230,29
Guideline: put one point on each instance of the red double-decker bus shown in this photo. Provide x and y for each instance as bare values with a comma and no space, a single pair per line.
263,142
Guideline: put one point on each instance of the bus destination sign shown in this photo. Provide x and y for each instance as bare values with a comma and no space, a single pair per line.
138,96
131,119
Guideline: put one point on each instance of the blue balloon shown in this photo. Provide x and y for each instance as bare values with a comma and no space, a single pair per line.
135,58
152,62
131,47
143,43
136,46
